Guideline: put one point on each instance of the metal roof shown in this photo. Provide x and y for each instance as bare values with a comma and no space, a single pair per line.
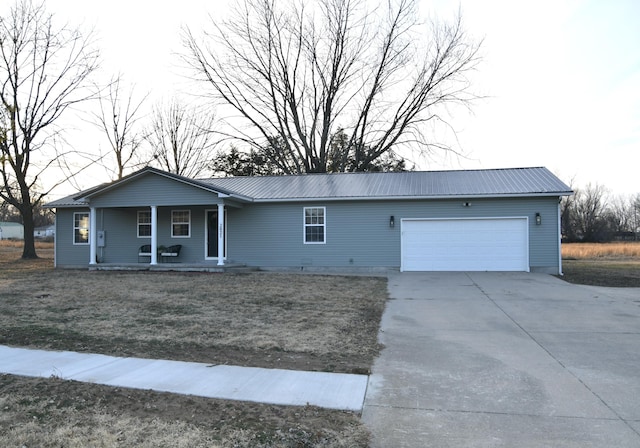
408,184
504,182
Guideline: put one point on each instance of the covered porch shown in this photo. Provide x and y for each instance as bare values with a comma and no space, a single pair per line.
159,237
166,236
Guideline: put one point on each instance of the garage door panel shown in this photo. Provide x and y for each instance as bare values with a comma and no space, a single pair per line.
496,244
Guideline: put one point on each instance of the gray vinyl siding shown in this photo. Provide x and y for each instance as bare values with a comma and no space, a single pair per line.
271,234
67,253
154,190
358,233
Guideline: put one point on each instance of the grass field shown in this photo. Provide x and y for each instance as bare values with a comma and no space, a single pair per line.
602,264
305,322
591,251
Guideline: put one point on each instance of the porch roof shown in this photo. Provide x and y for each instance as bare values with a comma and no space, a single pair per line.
82,198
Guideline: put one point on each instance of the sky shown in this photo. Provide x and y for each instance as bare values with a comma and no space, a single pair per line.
559,79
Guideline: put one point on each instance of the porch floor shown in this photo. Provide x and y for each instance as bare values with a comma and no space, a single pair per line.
180,267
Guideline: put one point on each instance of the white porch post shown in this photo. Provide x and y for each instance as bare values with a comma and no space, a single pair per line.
220,234
93,235
154,234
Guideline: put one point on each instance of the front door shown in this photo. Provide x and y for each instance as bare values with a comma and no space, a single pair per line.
212,234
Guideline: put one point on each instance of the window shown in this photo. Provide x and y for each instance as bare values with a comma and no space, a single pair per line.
144,224
81,228
180,223
314,225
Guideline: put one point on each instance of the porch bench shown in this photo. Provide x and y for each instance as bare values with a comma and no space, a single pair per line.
170,252
144,251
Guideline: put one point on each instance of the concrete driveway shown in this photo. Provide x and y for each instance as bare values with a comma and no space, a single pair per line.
505,360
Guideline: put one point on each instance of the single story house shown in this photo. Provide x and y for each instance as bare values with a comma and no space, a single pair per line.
467,220
11,230
44,231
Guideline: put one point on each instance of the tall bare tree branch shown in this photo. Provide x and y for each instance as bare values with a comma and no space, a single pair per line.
119,118
300,71
44,71
181,139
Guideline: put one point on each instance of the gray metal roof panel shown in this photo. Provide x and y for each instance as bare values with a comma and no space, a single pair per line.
498,182
409,184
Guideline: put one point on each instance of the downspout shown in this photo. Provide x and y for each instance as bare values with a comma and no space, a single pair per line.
560,237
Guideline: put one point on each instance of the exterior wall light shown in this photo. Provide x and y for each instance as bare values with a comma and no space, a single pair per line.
392,221
538,219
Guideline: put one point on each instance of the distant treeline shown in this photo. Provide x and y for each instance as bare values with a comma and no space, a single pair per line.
593,215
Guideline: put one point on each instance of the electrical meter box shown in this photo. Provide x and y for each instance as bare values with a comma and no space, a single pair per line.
102,238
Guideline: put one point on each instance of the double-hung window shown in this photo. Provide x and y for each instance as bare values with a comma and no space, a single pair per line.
81,228
314,225
144,224
180,223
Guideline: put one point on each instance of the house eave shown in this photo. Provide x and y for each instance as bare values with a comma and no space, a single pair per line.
84,203
414,198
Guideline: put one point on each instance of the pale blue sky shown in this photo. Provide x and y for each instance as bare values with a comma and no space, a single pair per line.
561,78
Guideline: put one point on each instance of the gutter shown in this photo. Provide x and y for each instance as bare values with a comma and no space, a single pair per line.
397,198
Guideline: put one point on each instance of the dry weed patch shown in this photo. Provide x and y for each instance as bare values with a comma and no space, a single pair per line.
586,251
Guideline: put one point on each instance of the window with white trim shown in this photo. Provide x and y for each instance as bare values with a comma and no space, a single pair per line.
144,223
314,225
180,223
81,228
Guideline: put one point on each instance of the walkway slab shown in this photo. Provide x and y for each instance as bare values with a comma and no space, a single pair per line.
273,386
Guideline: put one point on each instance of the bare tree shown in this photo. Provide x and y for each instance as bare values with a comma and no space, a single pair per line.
620,215
590,209
44,69
118,118
181,140
300,71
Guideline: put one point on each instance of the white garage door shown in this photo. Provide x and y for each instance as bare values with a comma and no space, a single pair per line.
492,244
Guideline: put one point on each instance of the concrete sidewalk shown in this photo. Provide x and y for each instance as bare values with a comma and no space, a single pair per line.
273,386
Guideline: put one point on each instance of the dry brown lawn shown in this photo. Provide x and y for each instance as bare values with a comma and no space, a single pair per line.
602,264
292,321
50,413
304,322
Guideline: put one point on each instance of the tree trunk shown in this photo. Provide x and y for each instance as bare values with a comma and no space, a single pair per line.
29,250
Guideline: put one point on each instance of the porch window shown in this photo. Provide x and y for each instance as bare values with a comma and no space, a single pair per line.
180,223
144,224
81,228
314,225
